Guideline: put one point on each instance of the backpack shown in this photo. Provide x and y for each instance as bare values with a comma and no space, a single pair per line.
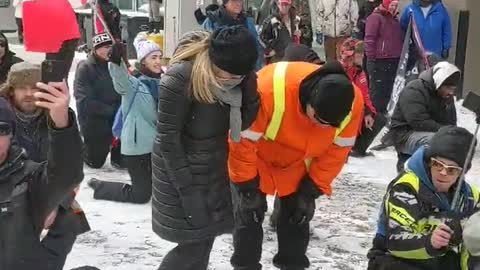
120,118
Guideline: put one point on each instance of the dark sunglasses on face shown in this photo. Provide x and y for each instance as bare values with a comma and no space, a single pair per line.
5,129
440,166
323,122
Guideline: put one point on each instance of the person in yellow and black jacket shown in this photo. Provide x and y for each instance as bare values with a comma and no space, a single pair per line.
416,229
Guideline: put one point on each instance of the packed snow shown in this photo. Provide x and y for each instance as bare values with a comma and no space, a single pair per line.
341,231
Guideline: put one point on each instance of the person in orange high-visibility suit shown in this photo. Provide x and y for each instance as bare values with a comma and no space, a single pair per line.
305,127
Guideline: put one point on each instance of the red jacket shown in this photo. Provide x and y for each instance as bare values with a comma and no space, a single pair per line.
359,79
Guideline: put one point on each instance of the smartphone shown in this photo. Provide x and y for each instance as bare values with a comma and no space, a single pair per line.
472,102
53,71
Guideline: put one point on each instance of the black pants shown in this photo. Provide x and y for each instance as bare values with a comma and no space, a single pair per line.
140,191
293,240
20,29
381,74
60,238
366,136
188,256
66,54
97,149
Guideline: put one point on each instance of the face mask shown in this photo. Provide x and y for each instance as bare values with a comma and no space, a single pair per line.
230,83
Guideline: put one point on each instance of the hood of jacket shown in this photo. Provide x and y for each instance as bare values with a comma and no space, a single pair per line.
8,54
14,162
418,165
221,17
434,2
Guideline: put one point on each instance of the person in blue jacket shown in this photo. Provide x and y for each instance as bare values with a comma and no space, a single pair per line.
433,24
231,13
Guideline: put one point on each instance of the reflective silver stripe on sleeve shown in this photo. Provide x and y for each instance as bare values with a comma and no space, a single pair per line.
345,142
251,135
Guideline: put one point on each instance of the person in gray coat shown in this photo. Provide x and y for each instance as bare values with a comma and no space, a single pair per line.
207,96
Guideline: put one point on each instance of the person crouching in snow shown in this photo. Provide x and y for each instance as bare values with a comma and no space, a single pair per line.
31,191
208,90
351,57
139,106
296,147
412,232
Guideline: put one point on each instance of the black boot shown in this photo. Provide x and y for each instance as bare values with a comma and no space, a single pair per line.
157,27
94,183
402,158
151,27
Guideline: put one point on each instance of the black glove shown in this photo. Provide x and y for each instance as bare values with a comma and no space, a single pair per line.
252,203
306,194
453,222
195,206
116,53
445,53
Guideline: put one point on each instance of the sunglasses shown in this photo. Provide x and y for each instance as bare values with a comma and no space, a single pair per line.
5,129
440,166
323,122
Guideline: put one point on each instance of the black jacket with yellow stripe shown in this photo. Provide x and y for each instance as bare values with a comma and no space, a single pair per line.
411,211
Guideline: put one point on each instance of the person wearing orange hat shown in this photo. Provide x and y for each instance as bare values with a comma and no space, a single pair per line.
295,148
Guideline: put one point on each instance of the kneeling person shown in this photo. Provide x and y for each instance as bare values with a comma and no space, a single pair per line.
412,229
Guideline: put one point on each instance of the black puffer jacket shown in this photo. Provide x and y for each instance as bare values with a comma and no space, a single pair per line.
97,100
29,191
8,60
420,108
190,153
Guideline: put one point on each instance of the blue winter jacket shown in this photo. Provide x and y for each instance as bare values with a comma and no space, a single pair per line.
139,126
435,30
218,19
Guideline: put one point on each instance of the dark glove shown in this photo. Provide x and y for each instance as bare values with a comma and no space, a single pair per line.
453,222
445,53
252,203
199,16
306,194
116,53
194,205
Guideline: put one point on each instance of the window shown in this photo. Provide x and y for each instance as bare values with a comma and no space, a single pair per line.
4,3
135,5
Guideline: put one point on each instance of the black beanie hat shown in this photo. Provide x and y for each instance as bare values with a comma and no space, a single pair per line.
452,143
329,91
234,50
6,114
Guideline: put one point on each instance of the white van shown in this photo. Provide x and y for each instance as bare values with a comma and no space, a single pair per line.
7,16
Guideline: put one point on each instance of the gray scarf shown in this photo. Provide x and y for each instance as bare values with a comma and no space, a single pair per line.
232,97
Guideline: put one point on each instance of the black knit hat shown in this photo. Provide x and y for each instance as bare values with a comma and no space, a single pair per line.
7,116
329,91
101,40
452,143
234,50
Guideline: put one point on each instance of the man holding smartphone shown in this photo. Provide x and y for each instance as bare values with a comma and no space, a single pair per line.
31,110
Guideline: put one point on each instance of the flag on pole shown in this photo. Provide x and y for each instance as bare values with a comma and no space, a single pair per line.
412,37
47,24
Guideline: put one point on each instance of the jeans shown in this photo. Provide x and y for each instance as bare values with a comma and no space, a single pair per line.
414,141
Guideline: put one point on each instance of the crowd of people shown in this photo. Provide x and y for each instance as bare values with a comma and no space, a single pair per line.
210,136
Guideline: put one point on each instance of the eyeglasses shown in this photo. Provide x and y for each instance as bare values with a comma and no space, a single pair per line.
440,166
5,129
321,121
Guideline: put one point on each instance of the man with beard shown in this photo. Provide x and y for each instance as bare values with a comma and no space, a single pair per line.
7,58
32,134
30,191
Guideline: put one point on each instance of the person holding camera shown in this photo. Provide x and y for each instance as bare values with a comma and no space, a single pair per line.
32,135
417,229
29,191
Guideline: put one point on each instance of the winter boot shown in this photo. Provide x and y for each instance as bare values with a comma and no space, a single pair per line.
402,158
151,27
94,183
157,27
275,213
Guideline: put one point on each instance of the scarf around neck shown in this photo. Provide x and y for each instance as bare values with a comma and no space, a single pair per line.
232,97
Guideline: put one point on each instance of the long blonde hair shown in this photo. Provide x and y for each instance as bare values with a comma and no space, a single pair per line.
194,47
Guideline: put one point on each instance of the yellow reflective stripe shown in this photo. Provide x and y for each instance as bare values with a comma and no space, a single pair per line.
345,142
417,254
308,163
410,179
344,124
476,195
401,216
278,100
464,256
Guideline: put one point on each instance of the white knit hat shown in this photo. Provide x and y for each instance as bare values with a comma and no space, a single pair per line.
471,235
144,46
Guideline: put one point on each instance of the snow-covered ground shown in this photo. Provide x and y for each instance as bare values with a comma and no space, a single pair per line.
122,237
